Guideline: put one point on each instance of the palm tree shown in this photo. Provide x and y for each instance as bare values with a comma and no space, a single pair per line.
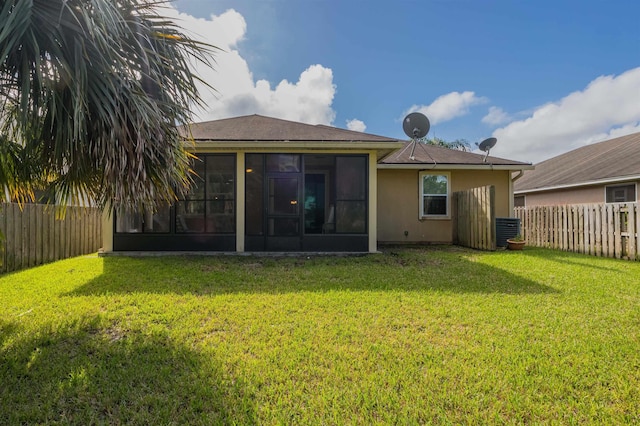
458,144
91,92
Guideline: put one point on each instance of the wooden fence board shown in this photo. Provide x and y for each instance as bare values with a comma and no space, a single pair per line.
605,230
57,228
50,214
548,228
474,218
67,236
20,236
3,233
33,234
38,237
72,220
597,231
617,234
10,238
569,228
609,230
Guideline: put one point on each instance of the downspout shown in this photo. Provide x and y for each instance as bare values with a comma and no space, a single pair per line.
511,181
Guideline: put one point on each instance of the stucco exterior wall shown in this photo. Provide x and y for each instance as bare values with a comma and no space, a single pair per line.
586,195
398,204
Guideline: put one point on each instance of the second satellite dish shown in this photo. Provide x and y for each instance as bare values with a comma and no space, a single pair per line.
416,125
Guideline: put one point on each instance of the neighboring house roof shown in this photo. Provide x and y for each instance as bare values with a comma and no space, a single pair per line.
440,157
613,160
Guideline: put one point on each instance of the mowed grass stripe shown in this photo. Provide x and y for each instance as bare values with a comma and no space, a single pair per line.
434,335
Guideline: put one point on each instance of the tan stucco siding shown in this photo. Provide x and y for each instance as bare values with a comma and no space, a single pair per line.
398,208
107,231
398,204
467,179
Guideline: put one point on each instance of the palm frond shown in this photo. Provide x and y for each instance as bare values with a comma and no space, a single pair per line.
93,90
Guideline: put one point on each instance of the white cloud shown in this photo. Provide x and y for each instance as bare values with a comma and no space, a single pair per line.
307,100
496,116
356,125
608,107
447,107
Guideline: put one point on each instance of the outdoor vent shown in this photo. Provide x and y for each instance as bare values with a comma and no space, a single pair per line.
506,227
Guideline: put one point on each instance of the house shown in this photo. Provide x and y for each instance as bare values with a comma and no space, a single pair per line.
266,184
604,172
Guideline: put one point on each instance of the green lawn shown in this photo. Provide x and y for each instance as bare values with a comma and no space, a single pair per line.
433,335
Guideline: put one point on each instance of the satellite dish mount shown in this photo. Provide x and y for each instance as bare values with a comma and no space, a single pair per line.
486,146
416,126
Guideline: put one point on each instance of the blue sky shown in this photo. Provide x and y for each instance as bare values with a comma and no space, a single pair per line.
543,77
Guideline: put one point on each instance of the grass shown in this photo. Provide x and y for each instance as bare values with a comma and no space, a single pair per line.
435,335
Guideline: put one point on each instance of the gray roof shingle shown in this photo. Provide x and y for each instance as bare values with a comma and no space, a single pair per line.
613,158
260,128
257,128
431,154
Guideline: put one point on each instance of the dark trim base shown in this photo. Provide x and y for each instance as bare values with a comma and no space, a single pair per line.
310,243
227,243
186,242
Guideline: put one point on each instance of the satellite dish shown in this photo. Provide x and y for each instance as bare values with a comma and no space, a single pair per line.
416,125
486,146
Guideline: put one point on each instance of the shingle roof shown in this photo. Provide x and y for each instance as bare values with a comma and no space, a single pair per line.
260,128
431,154
255,129
613,158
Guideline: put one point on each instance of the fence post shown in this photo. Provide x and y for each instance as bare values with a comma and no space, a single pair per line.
631,230
637,227
616,232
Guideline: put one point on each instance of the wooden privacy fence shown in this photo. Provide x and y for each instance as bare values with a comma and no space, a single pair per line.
474,218
609,230
33,236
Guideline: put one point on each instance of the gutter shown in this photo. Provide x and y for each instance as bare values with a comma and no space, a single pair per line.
455,166
512,192
286,144
518,176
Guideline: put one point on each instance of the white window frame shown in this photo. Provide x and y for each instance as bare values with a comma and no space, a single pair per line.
421,195
621,185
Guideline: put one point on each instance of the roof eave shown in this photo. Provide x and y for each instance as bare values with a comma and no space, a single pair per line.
384,148
456,166
617,179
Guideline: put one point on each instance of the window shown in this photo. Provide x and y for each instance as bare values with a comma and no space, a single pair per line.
351,195
210,205
518,201
434,195
148,222
621,193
